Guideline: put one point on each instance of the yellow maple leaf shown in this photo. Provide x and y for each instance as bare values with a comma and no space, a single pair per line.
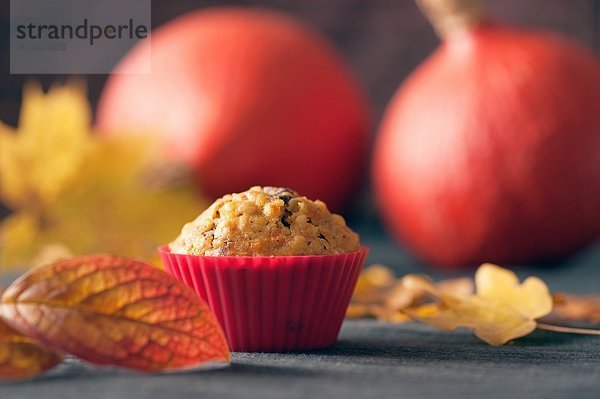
41,160
500,310
117,209
71,188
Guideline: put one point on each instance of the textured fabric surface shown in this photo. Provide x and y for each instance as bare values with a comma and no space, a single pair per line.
369,361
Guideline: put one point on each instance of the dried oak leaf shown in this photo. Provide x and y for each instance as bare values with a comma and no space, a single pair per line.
580,308
379,294
22,357
114,310
371,292
372,284
499,311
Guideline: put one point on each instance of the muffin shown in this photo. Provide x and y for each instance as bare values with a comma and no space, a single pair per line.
266,221
277,268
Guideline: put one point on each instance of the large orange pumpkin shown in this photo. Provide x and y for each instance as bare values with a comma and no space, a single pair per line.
245,97
490,150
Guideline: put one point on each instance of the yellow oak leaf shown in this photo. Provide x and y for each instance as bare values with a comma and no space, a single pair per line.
380,294
500,310
531,298
372,283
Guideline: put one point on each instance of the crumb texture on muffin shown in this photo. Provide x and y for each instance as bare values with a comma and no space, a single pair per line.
265,221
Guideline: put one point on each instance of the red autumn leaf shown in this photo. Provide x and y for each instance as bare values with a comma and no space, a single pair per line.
113,310
22,357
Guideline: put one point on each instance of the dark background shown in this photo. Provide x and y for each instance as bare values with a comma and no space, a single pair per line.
382,40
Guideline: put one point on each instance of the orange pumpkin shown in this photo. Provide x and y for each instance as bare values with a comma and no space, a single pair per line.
490,150
246,97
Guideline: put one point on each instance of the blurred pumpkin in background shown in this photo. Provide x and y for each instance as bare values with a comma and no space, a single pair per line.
490,150
244,97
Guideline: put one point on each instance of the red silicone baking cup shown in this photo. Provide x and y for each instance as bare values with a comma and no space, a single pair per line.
276,303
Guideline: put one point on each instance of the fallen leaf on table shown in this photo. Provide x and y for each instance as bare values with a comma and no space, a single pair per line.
499,311
456,286
569,307
372,283
22,357
70,187
502,308
379,294
114,310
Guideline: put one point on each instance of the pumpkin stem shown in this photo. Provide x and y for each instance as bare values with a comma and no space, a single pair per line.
448,16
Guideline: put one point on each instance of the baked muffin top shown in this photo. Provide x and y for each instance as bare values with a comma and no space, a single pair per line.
266,221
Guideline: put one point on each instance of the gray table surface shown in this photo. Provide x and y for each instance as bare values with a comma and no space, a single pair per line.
370,360
373,360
